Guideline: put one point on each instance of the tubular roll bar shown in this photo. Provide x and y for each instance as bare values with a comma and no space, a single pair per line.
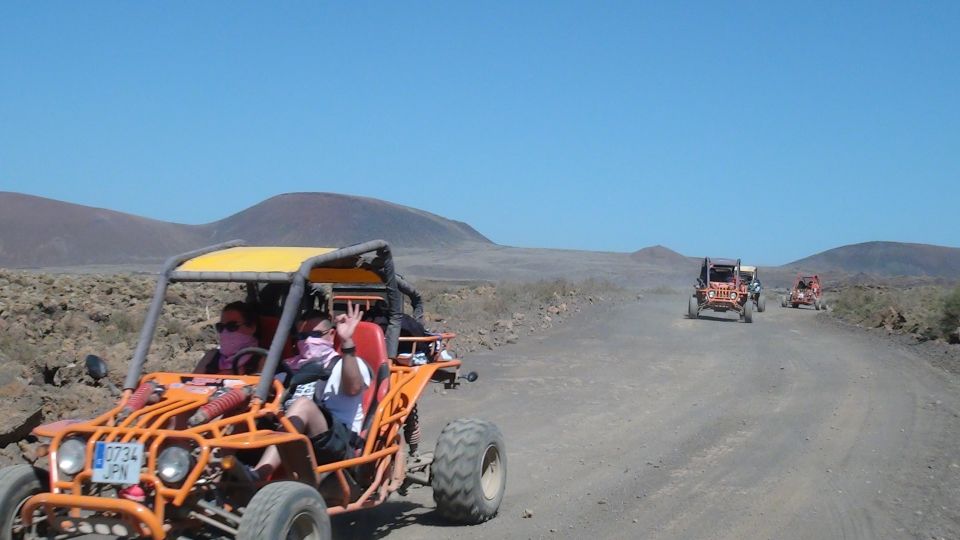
156,306
383,267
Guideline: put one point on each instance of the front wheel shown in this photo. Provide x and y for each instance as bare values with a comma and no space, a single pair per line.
17,484
290,510
469,471
693,307
748,312
762,304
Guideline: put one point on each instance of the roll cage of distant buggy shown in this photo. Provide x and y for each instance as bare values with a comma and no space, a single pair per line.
807,290
720,288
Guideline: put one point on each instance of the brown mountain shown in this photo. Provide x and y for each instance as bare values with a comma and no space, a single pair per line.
38,232
886,259
310,219
35,231
660,256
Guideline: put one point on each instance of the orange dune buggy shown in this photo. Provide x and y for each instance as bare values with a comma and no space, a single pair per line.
806,291
182,436
720,288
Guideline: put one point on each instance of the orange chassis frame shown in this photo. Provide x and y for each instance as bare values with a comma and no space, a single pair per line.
382,448
722,300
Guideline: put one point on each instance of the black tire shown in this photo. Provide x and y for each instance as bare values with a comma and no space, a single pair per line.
17,484
748,312
469,471
795,306
693,307
762,304
285,508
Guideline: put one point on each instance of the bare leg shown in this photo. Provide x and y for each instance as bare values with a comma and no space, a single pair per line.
306,418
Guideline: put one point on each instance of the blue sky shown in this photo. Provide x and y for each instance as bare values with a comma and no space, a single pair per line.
765,130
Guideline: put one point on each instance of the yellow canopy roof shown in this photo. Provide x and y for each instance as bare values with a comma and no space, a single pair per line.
748,268
253,259
274,260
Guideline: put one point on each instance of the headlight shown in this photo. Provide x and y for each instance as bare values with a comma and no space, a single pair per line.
711,294
173,464
71,456
733,296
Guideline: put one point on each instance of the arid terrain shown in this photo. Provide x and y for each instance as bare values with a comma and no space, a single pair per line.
50,323
622,417
636,422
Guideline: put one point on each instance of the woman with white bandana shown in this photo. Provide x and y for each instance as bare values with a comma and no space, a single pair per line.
236,331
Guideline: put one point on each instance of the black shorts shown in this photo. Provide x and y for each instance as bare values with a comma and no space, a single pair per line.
336,444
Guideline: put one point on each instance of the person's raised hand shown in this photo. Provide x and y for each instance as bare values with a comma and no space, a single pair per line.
347,322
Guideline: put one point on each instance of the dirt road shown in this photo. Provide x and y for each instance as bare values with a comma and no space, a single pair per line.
635,422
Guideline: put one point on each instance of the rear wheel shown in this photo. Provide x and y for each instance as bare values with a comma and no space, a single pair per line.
17,484
748,312
795,305
469,471
290,510
693,307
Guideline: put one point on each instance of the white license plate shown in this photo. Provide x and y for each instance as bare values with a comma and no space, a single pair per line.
117,463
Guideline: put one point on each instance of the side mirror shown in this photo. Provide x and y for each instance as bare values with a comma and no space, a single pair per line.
96,367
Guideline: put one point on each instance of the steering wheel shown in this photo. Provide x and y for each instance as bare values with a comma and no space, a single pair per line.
260,351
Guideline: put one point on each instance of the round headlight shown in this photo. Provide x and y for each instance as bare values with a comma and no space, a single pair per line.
711,294
733,296
173,464
71,456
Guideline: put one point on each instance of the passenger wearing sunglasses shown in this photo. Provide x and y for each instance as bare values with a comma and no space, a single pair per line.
331,412
314,339
236,330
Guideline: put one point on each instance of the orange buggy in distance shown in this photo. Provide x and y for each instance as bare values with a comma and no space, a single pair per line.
806,291
186,462
720,288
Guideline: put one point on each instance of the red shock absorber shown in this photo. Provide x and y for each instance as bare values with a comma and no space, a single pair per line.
224,403
138,399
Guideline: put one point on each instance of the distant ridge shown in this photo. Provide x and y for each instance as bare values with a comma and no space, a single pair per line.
886,259
41,232
330,219
659,255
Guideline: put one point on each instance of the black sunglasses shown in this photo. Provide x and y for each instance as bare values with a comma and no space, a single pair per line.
314,333
231,326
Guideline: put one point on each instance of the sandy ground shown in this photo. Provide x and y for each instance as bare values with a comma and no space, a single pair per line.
635,422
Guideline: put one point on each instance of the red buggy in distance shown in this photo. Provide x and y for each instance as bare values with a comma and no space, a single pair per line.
806,291
720,288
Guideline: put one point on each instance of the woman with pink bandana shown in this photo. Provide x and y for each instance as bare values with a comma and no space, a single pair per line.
236,331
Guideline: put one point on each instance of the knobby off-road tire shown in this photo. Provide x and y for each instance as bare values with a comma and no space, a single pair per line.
693,307
748,312
469,471
762,304
17,484
816,304
783,301
285,510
